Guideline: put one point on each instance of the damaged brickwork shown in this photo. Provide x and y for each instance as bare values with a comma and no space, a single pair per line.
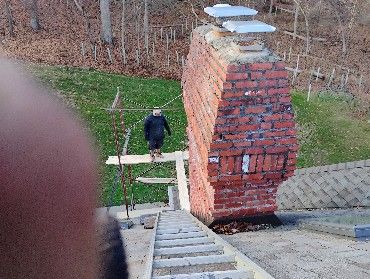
241,129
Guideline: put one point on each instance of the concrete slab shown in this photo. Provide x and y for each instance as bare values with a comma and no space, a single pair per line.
190,261
187,250
229,274
136,244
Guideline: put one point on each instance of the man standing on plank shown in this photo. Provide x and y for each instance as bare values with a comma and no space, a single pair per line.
154,126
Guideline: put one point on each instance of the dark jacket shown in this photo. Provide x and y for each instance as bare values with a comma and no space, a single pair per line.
154,127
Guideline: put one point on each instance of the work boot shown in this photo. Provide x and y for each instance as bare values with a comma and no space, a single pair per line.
159,153
152,155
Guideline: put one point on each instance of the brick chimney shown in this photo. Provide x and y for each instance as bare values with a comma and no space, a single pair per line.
241,129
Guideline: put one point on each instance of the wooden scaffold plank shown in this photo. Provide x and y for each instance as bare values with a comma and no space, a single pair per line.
142,159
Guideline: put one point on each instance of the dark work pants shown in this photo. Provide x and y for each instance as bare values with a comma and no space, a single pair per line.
155,144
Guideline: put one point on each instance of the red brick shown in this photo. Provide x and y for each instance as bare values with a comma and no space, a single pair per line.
243,144
256,176
252,163
292,155
246,84
284,124
230,94
272,117
229,165
273,175
274,134
251,110
231,152
212,169
277,91
254,150
279,66
287,116
276,149
227,112
287,141
267,163
276,74
256,75
227,85
266,125
238,164
267,83
263,142
260,66
235,137
293,148
236,76
285,99
259,166
292,132
237,120
233,68
230,177
221,145
245,127
283,83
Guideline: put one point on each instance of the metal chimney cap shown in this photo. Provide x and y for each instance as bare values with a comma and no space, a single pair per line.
253,26
226,10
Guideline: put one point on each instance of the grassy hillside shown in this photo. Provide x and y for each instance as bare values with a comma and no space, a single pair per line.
328,131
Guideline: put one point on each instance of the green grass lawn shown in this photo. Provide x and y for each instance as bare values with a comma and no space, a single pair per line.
88,92
328,131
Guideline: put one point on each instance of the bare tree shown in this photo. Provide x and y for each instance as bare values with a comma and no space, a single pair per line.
32,8
9,16
146,25
106,22
123,29
81,7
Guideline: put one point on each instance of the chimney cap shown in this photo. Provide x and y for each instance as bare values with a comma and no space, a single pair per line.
253,26
226,10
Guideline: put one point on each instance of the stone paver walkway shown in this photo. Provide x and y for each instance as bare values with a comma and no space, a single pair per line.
287,252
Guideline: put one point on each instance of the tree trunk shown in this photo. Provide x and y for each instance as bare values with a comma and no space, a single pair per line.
9,17
123,31
106,23
146,25
33,10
